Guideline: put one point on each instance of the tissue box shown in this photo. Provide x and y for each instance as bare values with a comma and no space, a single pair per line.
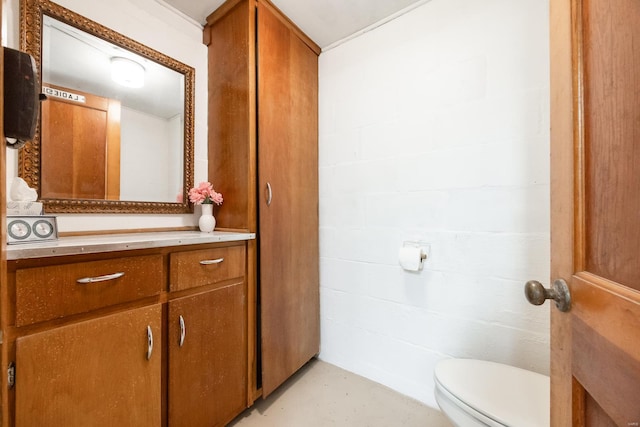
24,208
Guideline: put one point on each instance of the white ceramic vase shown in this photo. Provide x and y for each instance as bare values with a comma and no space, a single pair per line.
207,221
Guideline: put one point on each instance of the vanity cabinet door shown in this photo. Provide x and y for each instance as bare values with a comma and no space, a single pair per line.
99,372
207,357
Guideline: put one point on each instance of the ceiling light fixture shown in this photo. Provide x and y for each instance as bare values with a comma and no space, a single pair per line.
127,72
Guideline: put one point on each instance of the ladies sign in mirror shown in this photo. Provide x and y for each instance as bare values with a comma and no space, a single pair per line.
116,130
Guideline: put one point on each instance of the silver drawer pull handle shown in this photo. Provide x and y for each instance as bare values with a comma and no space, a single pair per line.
211,261
269,194
183,330
149,342
104,278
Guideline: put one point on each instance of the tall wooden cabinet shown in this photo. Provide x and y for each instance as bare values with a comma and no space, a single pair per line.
263,148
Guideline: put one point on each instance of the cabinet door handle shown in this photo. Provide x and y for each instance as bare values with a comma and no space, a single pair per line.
269,194
149,342
104,278
183,330
211,261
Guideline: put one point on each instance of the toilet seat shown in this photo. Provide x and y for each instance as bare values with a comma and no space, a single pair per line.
494,394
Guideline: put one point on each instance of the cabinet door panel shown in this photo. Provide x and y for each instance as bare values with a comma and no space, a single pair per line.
288,167
208,372
92,373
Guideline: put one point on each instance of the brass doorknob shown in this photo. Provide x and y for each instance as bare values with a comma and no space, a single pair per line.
537,294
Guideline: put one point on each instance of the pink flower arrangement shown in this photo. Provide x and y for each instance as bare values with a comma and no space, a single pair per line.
205,194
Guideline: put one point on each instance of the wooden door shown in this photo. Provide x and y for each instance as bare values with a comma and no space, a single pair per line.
80,146
207,358
595,188
93,373
288,198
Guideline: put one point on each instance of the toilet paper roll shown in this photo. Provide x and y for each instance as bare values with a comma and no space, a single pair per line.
410,258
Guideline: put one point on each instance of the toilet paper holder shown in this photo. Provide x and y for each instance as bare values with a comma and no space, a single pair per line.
418,244
413,254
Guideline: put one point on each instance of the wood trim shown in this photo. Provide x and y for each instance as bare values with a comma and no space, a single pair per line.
252,318
562,208
289,23
607,311
4,353
606,332
579,137
234,230
252,169
125,231
113,150
628,294
230,4
221,12
578,404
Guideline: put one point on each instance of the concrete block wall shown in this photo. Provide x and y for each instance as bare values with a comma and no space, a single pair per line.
435,127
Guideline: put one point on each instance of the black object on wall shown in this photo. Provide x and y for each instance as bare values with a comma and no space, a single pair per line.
21,97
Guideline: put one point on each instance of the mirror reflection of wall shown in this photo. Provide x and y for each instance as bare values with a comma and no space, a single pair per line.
151,117
150,139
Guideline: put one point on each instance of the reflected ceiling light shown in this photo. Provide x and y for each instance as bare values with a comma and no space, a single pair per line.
127,72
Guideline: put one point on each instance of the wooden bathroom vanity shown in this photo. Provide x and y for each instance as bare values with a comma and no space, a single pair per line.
142,329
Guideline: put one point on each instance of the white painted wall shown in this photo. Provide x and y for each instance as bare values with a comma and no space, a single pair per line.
160,28
435,127
146,157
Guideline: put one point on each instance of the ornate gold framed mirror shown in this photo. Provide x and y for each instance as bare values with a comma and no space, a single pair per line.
110,139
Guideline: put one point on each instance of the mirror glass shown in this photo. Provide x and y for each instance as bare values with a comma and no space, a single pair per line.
116,130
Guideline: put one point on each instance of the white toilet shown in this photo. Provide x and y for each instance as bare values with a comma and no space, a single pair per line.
481,393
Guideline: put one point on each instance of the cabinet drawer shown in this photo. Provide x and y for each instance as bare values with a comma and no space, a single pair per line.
45,293
191,269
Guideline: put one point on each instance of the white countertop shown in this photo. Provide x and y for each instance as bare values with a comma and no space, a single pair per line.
118,242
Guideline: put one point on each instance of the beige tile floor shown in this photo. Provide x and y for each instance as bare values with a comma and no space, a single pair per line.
321,395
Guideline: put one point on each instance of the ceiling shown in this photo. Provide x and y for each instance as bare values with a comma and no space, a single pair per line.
74,59
325,21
